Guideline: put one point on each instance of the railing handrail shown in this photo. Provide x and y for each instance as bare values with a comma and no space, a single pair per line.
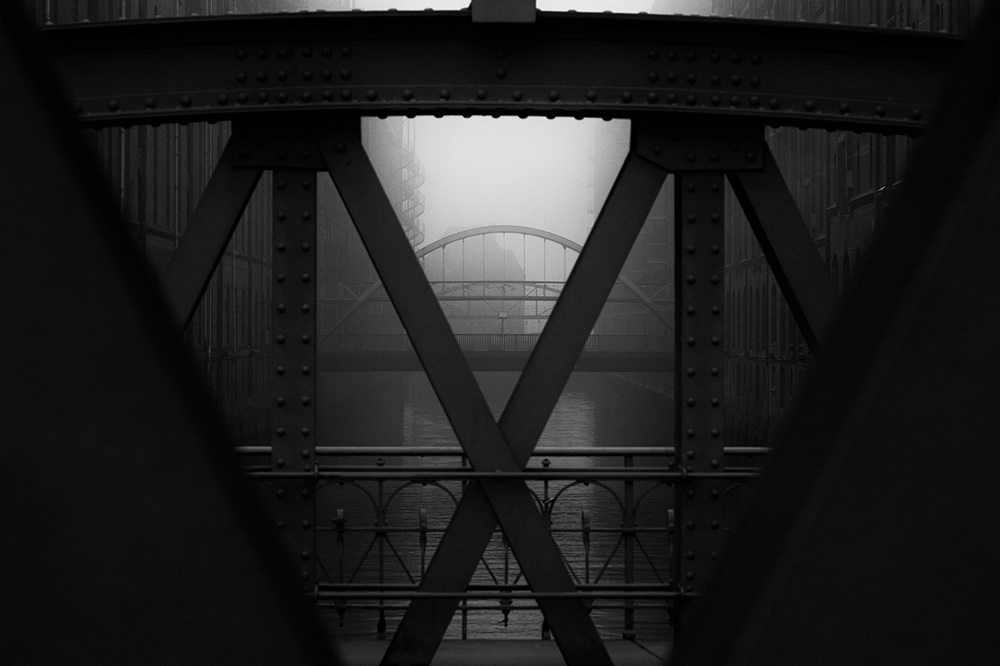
542,451
485,342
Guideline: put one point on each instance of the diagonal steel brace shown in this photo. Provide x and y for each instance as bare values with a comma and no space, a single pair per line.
507,502
505,448
784,237
208,232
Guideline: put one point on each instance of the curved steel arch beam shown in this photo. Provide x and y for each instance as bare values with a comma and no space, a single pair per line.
499,229
411,63
507,229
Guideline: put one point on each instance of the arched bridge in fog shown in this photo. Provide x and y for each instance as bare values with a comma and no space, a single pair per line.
132,533
497,285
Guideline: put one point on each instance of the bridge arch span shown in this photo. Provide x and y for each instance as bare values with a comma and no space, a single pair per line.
498,229
474,232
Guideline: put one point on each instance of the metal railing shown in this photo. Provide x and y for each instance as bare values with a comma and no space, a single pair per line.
382,510
486,342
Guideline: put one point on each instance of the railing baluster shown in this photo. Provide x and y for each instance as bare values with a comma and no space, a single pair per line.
339,522
629,631
628,591
380,525
423,541
585,534
465,603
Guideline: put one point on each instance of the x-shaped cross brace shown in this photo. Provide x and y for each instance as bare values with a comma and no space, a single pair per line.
491,446
506,446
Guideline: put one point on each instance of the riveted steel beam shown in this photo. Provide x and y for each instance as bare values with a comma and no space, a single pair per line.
785,240
281,143
207,234
293,359
129,528
407,63
487,501
699,236
870,537
703,144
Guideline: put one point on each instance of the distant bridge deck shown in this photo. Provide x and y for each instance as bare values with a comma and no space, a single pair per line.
494,352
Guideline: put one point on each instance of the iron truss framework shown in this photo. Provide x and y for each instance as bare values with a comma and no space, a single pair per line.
407,63
831,520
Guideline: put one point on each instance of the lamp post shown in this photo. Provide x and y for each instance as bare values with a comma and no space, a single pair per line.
502,316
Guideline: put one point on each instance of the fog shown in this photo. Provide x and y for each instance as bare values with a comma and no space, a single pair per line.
483,171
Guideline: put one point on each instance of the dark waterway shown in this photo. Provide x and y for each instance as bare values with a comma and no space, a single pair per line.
400,409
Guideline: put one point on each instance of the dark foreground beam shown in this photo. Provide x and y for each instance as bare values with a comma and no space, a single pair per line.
872,538
129,532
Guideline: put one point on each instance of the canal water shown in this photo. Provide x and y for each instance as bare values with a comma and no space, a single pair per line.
595,410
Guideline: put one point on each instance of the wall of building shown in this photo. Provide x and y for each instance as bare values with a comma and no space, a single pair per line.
157,175
843,183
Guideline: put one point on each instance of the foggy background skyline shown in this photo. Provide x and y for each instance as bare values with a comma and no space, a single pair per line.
484,171
533,172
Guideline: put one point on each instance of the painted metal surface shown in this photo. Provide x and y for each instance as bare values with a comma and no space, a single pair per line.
699,236
702,144
208,232
294,363
130,532
490,500
405,63
870,539
790,250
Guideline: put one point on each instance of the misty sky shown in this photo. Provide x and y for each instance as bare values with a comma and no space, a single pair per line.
532,172
482,171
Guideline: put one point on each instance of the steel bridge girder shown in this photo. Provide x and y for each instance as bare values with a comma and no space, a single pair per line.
408,63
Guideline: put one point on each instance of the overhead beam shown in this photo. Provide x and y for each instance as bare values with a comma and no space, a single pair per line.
867,540
784,238
130,532
208,234
441,63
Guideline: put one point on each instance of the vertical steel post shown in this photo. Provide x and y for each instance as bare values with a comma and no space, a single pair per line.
699,154
380,535
698,226
293,385
628,631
